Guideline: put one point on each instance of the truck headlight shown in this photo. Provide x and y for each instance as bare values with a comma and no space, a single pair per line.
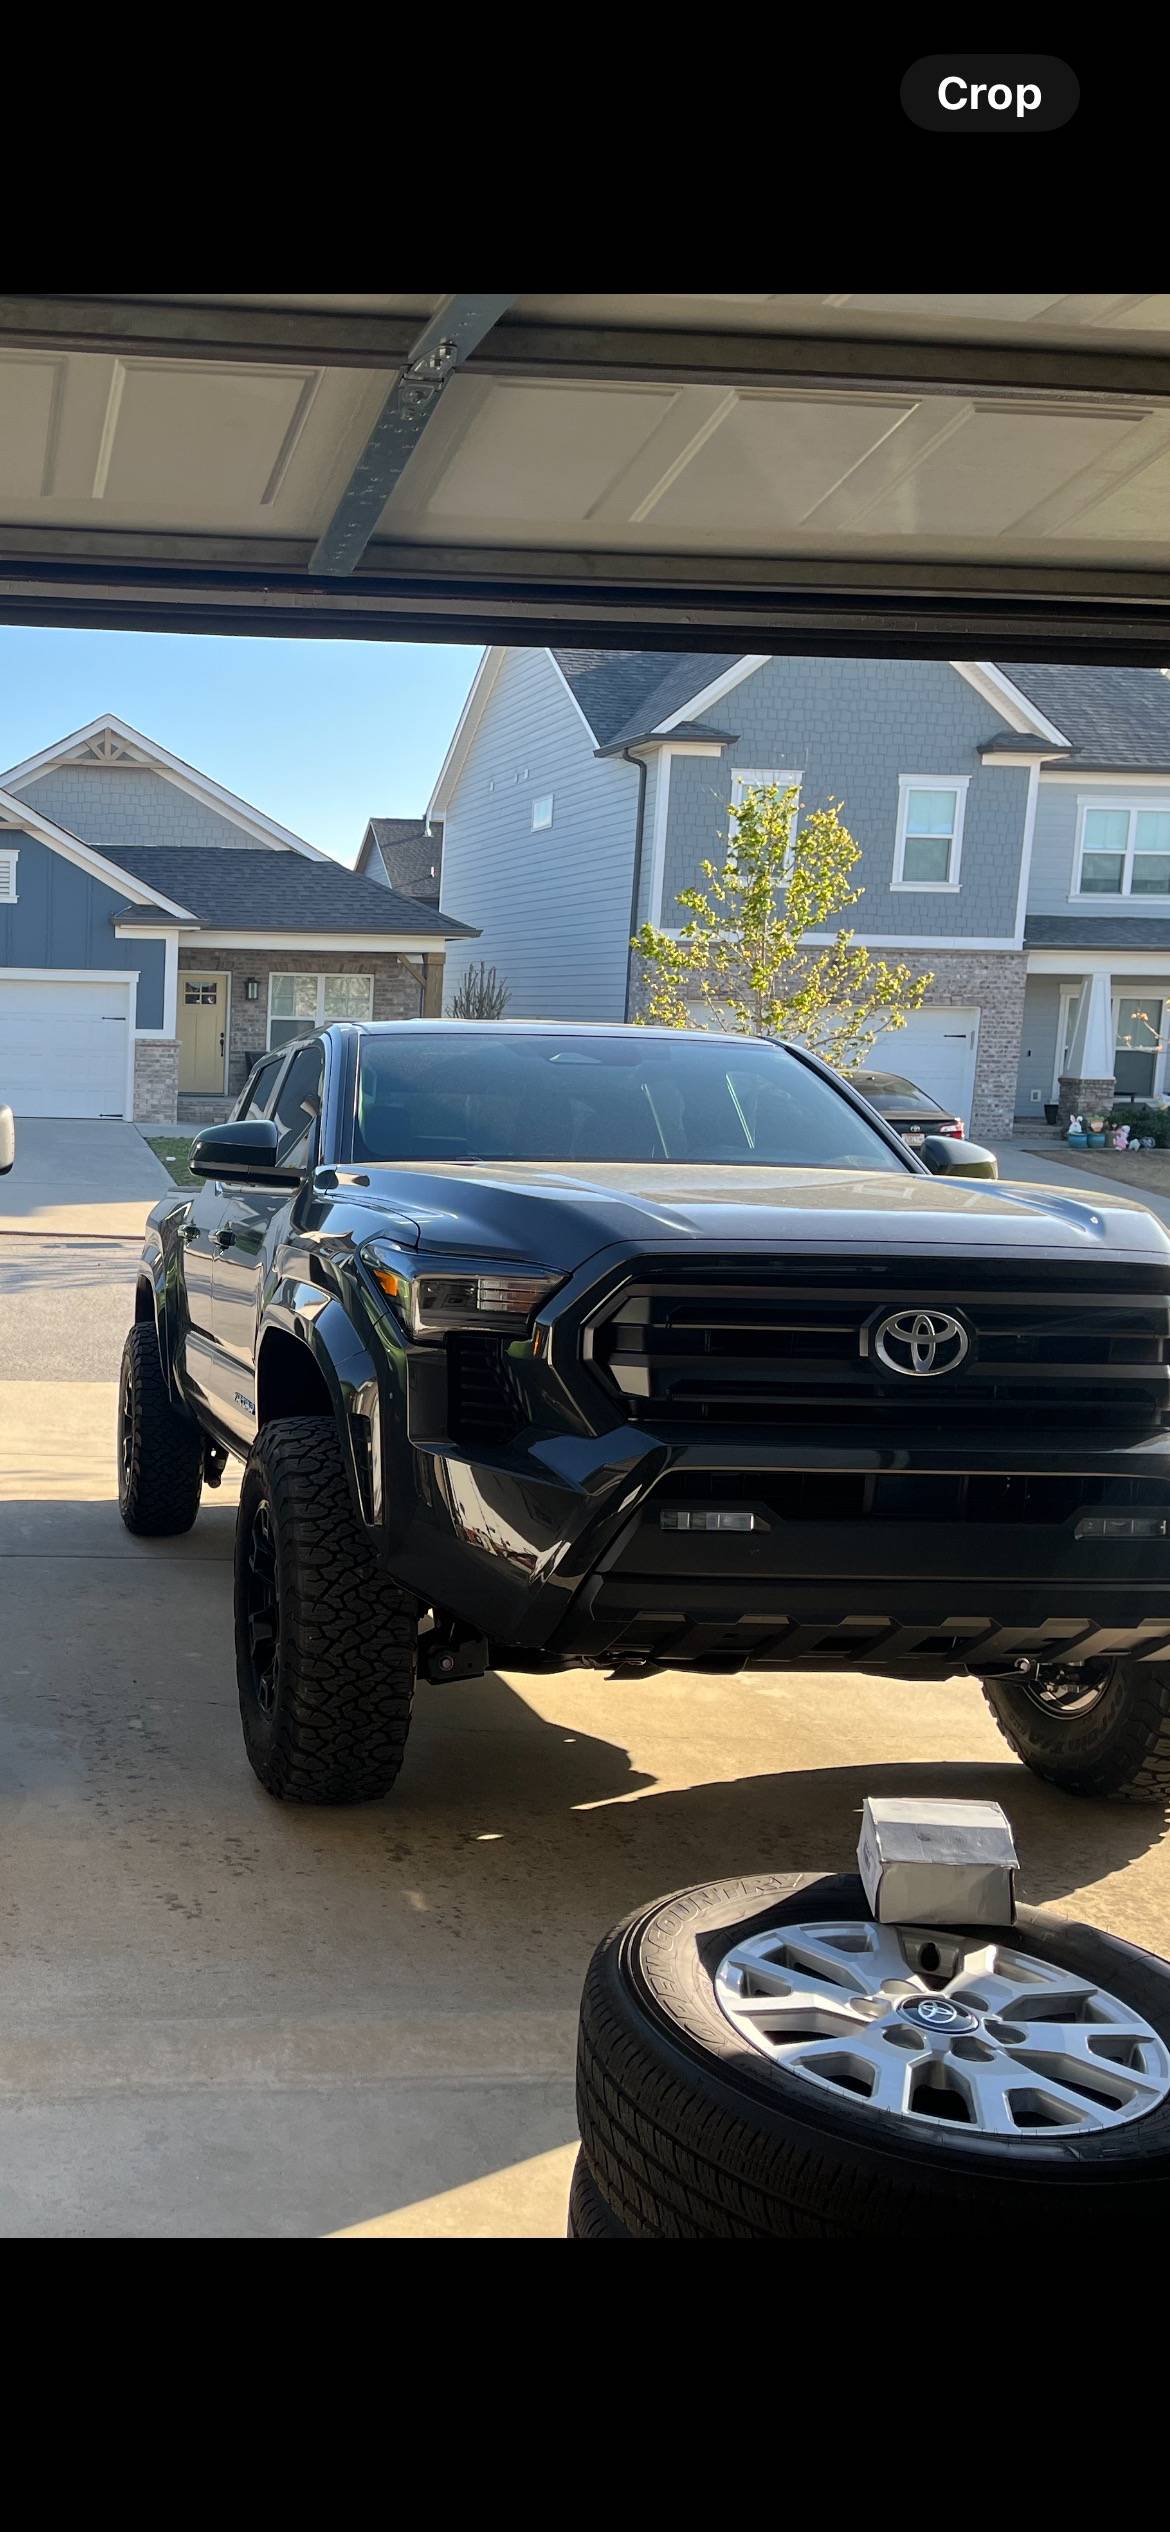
500,1300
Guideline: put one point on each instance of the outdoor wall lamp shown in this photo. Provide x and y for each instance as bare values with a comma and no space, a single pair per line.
251,989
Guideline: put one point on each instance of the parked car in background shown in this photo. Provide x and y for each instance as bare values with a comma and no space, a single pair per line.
911,1111
7,1141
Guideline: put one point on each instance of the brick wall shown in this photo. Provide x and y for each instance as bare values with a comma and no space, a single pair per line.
156,1080
396,990
996,980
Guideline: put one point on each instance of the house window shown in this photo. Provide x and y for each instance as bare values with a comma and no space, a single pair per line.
1123,851
1139,1041
298,1004
8,862
930,830
542,811
766,778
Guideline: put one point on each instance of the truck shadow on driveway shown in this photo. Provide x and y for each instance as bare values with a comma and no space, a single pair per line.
529,1794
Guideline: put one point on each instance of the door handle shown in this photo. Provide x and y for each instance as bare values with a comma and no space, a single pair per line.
225,1239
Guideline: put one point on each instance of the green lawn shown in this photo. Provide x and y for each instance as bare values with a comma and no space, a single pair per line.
172,1150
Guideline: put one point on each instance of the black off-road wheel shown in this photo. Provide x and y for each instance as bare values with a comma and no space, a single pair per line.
325,1643
1102,1728
160,1451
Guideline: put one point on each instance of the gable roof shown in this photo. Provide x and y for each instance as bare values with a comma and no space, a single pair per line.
226,891
112,741
411,854
626,694
17,817
1116,720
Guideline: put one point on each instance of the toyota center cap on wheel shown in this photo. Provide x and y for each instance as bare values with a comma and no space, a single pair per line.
937,1863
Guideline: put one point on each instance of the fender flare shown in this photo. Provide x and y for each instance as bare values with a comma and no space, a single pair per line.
160,1268
317,1320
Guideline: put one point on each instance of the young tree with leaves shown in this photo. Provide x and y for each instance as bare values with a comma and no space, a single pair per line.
744,959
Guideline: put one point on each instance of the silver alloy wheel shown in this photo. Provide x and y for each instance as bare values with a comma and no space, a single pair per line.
936,2026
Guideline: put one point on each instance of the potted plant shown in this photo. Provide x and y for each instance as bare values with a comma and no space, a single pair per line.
1095,1132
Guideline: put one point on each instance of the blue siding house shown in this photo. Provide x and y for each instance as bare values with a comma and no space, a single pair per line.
157,934
1014,824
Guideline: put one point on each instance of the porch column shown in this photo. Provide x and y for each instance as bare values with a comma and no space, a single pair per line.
1088,1086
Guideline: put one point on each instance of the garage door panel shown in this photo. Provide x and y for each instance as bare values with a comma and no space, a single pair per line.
63,1047
937,1050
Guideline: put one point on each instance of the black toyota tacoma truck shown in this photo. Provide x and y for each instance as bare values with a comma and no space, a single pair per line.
553,1344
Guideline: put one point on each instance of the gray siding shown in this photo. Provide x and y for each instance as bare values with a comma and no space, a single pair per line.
1050,879
552,908
851,727
1054,845
62,918
108,804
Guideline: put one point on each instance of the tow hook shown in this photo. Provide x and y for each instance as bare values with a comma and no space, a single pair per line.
449,1654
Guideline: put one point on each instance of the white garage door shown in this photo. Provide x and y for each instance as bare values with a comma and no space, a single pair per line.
63,1047
937,1050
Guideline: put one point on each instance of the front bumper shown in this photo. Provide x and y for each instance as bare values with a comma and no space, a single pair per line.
856,1554
885,1543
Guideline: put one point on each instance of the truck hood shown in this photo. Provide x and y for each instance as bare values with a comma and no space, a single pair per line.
561,1216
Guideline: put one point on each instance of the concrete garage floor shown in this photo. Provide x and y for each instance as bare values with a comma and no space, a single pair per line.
224,2017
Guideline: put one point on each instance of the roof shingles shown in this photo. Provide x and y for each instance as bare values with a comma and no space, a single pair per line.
1116,720
277,892
411,854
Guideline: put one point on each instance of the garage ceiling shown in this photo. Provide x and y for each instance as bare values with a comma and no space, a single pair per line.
935,475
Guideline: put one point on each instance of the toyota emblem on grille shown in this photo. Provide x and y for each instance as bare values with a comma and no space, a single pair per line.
922,1343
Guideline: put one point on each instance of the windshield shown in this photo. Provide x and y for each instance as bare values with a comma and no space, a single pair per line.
891,1087
487,1095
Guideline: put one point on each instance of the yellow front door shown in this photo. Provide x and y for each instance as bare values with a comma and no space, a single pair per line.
202,1031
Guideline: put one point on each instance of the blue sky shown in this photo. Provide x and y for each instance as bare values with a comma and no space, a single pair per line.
322,735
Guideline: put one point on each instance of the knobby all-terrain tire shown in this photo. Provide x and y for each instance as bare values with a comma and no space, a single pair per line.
345,1635
160,1451
591,2218
1120,1746
690,2134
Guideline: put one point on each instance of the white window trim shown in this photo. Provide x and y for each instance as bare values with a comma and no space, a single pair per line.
908,783
765,778
1119,805
1072,993
319,973
9,857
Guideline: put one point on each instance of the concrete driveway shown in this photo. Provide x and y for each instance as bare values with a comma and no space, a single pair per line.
90,1176
226,2017
1034,1168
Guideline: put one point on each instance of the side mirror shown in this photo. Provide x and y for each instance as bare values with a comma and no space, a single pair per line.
948,1158
246,1151
7,1141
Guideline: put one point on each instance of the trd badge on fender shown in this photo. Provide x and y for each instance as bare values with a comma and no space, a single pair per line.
922,1343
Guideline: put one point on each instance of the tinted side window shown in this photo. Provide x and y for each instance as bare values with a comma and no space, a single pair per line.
304,1081
259,1091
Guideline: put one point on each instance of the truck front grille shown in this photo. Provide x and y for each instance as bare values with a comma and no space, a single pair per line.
783,1352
